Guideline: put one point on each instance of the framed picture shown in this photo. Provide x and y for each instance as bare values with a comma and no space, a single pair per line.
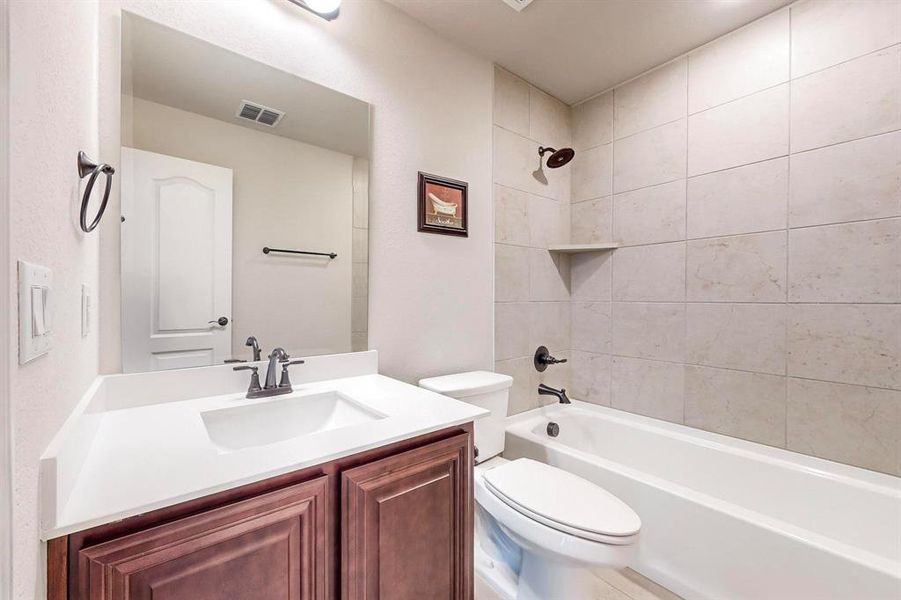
443,205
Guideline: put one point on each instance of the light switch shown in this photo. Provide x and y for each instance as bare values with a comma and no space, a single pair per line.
35,311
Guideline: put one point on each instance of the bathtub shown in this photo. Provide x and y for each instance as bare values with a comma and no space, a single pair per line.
726,519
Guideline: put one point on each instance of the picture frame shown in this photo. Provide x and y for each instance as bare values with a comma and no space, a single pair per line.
443,205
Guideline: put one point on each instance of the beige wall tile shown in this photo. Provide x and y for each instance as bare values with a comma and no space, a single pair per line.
548,276
511,216
549,120
750,406
651,100
591,326
511,102
511,330
850,424
847,343
745,199
827,33
549,325
593,122
511,273
549,222
854,99
851,262
655,330
515,165
592,172
750,337
746,61
592,221
590,374
650,273
360,280
847,182
521,396
650,157
591,276
744,268
747,130
359,314
647,387
650,215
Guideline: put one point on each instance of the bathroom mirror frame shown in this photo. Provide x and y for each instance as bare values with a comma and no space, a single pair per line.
304,266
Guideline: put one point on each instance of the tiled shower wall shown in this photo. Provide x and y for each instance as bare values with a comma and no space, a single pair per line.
531,211
755,188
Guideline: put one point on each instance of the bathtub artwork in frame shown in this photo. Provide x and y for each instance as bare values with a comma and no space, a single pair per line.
443,205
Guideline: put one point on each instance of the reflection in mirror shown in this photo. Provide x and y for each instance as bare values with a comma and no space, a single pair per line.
222,157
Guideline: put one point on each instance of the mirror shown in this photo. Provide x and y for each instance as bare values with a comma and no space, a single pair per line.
244,193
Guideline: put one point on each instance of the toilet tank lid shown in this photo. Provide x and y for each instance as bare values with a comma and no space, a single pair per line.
463,385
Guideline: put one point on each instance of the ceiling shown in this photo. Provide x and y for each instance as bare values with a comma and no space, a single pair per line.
574,49
172,68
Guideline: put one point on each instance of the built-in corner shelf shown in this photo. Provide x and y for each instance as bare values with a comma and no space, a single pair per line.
580,248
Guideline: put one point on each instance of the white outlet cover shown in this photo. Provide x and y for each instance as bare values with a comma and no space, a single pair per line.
86,301
35,291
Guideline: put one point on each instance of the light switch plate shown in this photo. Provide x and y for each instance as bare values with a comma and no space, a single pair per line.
35,291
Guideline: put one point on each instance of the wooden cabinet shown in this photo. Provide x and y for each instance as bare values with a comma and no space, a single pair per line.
407,525
393,523
272,546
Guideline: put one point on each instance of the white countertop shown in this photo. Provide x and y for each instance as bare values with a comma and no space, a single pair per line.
114,460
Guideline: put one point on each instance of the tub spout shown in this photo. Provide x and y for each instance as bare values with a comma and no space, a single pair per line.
546,390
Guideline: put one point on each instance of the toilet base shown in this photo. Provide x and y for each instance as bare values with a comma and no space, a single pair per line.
543,579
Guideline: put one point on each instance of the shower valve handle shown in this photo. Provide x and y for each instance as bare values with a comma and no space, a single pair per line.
543,358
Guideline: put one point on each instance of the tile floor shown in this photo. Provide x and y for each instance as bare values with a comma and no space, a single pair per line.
624,584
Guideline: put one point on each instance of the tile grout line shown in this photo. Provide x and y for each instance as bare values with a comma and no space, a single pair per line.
685,233
787,236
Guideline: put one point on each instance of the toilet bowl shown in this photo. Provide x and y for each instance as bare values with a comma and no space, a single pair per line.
539,530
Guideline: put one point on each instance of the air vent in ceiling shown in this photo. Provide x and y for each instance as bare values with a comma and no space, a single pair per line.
253,111
518,5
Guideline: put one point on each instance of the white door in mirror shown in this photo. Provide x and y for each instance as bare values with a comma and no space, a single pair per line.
176,262
35,286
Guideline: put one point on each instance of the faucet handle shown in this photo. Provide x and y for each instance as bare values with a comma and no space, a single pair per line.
254,377
285,380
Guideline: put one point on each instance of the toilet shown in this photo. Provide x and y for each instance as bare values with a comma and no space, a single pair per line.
539,529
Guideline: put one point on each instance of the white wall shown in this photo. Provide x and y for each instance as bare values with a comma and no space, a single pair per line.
5,408
431,112
287,194
53,86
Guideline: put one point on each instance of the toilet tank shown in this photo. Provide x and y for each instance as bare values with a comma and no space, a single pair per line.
486,390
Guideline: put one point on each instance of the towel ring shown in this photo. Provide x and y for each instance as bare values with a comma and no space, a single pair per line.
87,167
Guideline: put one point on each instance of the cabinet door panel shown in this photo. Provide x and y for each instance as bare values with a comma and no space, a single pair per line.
407,525
273,547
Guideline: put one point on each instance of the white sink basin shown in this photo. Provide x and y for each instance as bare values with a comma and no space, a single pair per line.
281,419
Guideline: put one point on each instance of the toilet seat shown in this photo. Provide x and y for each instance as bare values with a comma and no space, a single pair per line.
563,501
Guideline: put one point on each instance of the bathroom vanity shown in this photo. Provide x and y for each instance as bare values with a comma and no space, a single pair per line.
347,510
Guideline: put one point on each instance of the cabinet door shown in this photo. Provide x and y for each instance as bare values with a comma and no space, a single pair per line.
407,525
271,547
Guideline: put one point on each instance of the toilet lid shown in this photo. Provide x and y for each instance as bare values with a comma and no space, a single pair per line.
554,496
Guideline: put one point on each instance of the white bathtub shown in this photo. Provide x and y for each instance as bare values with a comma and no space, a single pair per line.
725,519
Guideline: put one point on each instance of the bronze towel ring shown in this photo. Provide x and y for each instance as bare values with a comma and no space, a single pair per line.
87,167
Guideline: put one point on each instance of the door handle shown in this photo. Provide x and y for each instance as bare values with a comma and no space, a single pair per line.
221,321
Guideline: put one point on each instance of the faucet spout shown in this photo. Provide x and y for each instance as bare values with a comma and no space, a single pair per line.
546,390
253,343
277,355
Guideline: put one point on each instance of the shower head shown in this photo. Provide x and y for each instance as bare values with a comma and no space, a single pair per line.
558,158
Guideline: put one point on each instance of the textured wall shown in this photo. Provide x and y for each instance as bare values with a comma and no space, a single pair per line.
431,112
531,285
755,186
53,87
